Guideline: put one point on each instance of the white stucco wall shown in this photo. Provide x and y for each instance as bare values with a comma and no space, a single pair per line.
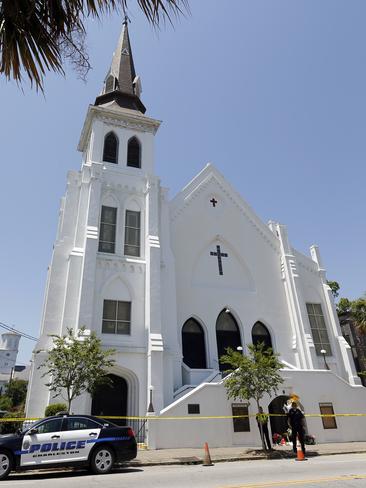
313,387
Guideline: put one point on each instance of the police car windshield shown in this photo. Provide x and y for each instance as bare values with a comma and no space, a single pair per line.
102,423
32,426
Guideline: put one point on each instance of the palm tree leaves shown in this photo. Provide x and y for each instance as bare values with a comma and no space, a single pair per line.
36,35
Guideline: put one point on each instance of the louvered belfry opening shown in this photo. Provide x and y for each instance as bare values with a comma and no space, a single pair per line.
134,153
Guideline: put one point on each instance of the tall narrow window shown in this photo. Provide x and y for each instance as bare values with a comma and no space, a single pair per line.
260,334
240,417
318,329
116,317
107,232
110,149
132,233
134,153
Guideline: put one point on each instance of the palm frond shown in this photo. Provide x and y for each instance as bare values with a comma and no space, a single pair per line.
33,32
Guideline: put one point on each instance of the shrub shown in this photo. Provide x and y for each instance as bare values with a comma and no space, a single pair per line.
11,426
16,390
5,402
54,409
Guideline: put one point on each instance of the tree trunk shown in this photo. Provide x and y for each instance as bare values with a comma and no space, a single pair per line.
69,400
261,430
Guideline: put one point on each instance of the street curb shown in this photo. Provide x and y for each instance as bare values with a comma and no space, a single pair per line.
137,464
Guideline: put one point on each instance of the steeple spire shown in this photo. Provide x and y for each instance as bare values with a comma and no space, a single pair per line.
121,83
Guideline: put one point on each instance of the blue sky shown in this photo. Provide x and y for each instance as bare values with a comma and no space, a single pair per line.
273,92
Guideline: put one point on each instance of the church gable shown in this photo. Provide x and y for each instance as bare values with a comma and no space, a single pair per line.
219,244
212,190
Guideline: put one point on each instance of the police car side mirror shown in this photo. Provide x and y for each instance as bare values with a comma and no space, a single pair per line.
32,431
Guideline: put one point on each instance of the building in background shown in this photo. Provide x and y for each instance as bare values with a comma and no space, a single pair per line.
170,284
9,347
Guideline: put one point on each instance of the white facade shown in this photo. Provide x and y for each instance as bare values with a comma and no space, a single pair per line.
9,346
176,277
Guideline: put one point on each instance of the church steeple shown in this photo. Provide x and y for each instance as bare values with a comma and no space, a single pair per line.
121,84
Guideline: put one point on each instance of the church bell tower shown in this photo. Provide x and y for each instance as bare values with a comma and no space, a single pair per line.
105,269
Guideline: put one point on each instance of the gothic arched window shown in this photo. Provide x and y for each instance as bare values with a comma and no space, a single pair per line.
110,149
260,333
193,343
227,335
134,153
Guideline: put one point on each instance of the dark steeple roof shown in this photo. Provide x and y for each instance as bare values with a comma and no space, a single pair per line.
121,83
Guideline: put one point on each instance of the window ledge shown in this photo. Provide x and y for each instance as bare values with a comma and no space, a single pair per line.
119,257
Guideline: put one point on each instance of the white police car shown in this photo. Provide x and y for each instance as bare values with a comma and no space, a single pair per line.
67,440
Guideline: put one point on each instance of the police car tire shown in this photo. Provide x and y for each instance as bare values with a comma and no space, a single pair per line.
102,460
6,463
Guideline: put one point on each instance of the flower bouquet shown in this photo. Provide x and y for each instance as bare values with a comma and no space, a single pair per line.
309,439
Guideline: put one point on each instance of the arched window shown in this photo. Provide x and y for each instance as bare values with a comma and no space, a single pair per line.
193,342
260,334
110,149
134,153
227,335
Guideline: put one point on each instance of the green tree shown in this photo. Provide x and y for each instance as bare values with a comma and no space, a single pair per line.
39,35
252,376
334,286
76,363
16,390
356,310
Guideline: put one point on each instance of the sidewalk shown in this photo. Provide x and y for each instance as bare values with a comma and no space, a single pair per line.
240,453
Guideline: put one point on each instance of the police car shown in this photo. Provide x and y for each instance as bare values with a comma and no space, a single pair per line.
67,440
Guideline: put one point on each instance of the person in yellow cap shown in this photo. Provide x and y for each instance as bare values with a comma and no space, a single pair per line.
295,420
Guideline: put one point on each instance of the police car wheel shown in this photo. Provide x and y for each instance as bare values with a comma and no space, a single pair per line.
102,460
6,463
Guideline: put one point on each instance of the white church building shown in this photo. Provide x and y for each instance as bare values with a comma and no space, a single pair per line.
170,284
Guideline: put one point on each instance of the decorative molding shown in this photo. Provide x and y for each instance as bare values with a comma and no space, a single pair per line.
154,241
121,266
292,265
126,125
309,340
110,186
92,232
77,251
283,269
118,118
156,343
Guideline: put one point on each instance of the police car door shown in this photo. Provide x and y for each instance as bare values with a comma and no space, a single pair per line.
40,443
78,437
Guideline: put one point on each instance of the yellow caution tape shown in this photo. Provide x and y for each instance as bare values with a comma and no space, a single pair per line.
194,417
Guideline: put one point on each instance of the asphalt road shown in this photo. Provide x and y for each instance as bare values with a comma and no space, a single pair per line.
341,471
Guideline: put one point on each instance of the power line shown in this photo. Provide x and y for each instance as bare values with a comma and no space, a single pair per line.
23,334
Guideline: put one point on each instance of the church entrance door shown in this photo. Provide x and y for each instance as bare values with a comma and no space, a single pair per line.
227,335
193,342
278,423
111,400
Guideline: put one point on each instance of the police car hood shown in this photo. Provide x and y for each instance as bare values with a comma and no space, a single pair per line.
8,437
